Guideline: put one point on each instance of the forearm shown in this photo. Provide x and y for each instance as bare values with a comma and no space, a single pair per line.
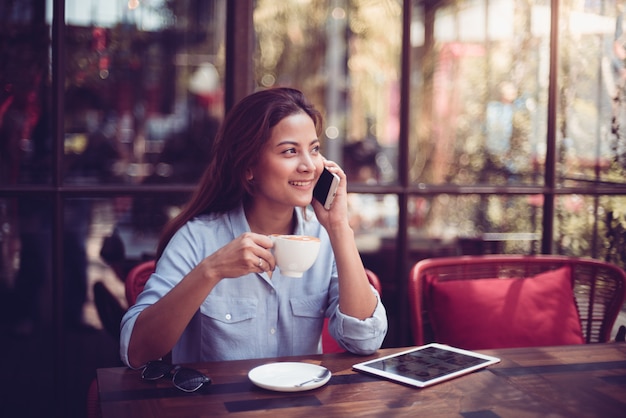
159,326
355,295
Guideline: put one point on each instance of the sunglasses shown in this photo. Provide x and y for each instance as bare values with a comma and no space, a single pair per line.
183,378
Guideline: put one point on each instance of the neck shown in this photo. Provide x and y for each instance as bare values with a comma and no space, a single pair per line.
267,222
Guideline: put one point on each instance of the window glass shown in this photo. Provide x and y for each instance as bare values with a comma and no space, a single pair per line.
374,219
26,305
345,56
26,251
110,253
144,90
102,241
476,224
610,239
590,226
591,107
479,92
25,117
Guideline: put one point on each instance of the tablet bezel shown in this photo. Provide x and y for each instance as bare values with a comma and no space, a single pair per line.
366,366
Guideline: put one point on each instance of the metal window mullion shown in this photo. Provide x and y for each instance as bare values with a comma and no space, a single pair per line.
58,89
550,166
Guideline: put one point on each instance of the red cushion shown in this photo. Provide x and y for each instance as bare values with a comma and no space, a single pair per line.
329,345
498,313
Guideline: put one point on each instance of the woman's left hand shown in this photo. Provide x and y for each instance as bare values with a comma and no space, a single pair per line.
337,215
355,293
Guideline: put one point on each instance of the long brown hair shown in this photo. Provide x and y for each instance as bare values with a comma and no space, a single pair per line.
241,137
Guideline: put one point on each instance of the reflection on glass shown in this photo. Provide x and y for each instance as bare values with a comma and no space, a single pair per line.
104,241
611,240
374,219
25,119
475,224
591,226
77,222
479,94
592,143
26,252
345,56
144,92
371,212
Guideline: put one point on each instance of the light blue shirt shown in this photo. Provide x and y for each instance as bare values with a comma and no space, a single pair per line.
253,316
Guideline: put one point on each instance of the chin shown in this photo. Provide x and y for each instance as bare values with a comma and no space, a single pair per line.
304,202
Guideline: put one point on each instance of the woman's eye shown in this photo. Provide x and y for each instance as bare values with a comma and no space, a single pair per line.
289,151
315,149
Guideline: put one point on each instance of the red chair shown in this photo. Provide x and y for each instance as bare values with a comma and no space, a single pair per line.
438,288
136,280
329,345
93,400
138,276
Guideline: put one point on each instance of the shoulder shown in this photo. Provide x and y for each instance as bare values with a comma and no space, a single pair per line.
207,220
204,228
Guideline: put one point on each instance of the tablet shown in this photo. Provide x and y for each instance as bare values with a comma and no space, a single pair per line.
426,365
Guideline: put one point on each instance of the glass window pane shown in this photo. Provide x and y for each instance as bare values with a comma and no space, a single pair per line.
144,90
374,219
591,226
26,306
345,56
611,241
107,263
591,106
25,123
476,224
117,234
478,92
26,263
76,230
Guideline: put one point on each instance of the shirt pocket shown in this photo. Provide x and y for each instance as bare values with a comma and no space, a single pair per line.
229,310
307,322
309,306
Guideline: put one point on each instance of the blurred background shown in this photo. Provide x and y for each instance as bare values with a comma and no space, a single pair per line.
465,127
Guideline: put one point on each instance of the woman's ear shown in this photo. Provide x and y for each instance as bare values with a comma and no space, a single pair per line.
249,175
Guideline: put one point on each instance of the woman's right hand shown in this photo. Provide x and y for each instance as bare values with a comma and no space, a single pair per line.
248,253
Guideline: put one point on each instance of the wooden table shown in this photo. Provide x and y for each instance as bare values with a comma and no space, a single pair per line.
572,381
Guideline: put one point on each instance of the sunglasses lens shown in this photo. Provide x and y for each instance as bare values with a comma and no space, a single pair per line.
155,370
189,380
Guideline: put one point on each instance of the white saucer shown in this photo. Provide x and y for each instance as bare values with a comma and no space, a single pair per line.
284,376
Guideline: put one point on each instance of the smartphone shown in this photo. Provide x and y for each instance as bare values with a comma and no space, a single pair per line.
326,188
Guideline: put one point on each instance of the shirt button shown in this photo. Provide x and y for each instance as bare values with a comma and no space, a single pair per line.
272,331
228,317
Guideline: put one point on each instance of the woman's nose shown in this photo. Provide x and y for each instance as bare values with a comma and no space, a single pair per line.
307,163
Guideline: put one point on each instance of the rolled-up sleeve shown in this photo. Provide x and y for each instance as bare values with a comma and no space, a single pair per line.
358,336
127,325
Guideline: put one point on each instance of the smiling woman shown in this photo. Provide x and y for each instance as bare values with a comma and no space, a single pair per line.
215,287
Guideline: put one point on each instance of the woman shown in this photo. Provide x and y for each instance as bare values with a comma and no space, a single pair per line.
215,294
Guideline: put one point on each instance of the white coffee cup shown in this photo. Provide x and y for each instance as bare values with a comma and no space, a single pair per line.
295,254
